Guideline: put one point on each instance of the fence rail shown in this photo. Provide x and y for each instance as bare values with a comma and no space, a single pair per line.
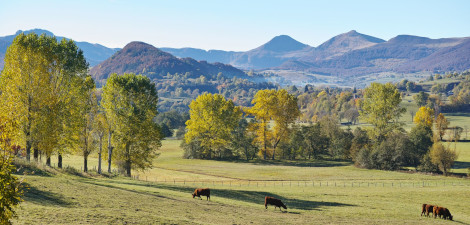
290,183
303,183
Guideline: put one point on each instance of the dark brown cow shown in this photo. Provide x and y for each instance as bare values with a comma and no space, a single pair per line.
442,213
275,202
427,209
202,191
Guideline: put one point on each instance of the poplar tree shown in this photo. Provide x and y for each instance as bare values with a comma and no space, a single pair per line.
381,108
130,104
37,86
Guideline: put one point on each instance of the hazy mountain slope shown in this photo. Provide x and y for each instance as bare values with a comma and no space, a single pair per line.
94,53
142,58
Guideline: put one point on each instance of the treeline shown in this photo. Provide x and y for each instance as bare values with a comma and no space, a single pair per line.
270,129
50,107
457,92
178,90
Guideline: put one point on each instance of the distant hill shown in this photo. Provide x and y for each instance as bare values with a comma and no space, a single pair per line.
340,45
404,54
142,58
271,54
94,53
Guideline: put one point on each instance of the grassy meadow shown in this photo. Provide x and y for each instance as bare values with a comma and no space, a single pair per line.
323,192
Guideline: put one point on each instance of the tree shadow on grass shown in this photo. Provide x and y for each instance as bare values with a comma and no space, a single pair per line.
295,163
36,196
256,197
461,165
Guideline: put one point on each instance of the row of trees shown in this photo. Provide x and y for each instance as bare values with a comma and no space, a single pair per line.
46,91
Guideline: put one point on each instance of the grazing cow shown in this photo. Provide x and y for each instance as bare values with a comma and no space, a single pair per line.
275,202
442,212
427,209
202,191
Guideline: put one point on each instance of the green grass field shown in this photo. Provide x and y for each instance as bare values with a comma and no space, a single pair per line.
346,195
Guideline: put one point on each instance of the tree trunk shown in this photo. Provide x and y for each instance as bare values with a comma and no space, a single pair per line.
28,132
36,154
48,161
59,161
127,164
28,149
110,151
85,163
128,168
246,153
265,150
99,154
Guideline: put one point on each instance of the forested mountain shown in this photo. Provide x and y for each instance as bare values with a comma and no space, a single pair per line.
142,58
94,53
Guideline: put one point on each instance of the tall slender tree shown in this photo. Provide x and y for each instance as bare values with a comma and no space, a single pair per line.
130,103
381,108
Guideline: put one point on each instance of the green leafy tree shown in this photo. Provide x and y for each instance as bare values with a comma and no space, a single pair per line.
315,142
166,131
130,103
422,139
381,108
443,157
11,189
100,131
242,140
441,125
87,111
360,141
212,119
421,98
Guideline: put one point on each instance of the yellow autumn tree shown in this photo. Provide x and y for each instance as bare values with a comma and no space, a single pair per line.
36,89
424,116
279,107
441,125
212,119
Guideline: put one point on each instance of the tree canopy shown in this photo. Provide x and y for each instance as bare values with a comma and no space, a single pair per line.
381,108
212,119
130,104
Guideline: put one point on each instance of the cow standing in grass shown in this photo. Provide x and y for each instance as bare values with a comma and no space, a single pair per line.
442,213
427,209
273,201
202,191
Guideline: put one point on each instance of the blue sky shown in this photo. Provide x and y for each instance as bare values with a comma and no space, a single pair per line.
232,25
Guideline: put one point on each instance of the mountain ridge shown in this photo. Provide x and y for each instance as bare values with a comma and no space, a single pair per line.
142,58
